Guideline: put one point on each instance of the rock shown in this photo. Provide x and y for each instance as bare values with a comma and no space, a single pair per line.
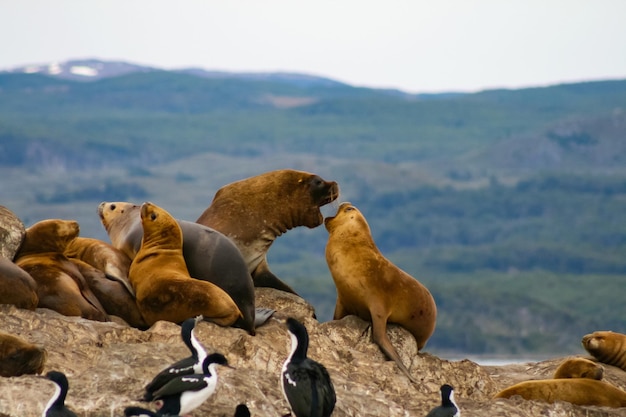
12,232
108,364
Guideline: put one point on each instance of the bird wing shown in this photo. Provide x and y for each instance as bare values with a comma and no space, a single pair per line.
181,384
182,367
315,394
298,390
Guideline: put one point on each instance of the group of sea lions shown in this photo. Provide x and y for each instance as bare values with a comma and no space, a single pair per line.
579,380
161,268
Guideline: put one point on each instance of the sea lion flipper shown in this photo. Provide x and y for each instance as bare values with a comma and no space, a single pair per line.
379,334
262,315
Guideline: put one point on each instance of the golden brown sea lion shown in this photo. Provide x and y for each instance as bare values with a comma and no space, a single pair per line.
607,347
253,212
371,287
209,255
19,357
60,285
17,287
163,287
579,368
579,391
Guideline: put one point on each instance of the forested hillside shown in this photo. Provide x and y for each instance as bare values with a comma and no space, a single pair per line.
508,204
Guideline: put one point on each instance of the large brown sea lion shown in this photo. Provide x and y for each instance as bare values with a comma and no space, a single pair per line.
60,285
163,287
19,357
371,287
17,287
607,347
254,211
579,391
209,255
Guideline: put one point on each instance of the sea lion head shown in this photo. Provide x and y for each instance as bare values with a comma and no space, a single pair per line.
19,357
306,193
347,220
122,222
159,227
579,368
116,214
293,197
606,346
52,235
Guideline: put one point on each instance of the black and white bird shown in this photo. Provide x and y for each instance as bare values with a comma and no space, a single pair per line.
185,393
448,407
56,406
306,383
187,366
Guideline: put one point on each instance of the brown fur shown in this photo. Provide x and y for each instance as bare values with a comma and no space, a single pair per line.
371,287
579,391
102,256
164,290
115,298
254,211
579,368
19,357
60,285
17,287
607,347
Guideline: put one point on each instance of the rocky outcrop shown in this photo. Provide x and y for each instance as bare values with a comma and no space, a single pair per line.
108,364
12,232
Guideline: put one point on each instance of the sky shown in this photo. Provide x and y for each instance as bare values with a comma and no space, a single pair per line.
412,45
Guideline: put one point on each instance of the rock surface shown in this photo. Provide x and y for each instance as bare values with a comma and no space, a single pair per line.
12,232
108,364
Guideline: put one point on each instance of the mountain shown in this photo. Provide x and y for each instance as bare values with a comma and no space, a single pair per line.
508,204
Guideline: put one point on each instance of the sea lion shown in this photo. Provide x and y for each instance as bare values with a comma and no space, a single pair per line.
607,347
60,285
114,296
209,255
103,256
371,287
579,391
19,357
579,368
17,287
163,287
254,211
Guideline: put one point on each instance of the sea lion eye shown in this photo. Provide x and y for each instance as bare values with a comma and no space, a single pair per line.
316,181
153,216
112,206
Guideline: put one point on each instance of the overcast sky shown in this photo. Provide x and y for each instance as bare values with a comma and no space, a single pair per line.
413,45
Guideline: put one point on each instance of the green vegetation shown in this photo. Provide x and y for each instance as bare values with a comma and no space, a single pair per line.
508,205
